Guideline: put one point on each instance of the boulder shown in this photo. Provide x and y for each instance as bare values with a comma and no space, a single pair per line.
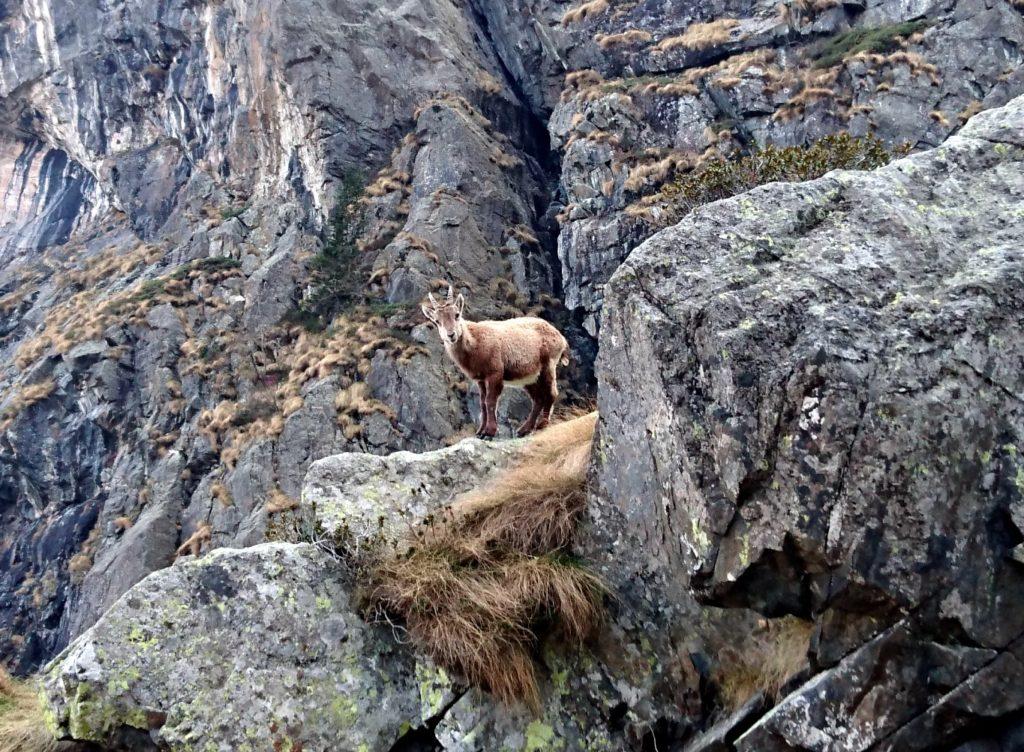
244,649
364,497
265,647
812,403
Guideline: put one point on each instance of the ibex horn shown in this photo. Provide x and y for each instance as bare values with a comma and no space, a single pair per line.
433,302
451,292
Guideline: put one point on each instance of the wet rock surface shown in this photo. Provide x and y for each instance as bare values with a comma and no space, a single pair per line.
828,423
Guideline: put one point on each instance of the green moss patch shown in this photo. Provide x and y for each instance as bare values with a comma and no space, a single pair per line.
879,40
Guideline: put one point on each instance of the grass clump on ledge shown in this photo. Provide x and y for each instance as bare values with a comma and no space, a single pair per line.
22,728
478,585
879,40
717,179
763,662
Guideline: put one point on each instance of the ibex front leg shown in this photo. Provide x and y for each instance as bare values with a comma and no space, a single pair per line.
494,385
482,385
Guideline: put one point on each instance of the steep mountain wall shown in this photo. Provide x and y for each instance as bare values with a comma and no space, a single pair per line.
149,393
167,173
828,430
829,425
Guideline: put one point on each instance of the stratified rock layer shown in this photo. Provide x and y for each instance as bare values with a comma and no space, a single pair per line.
812,402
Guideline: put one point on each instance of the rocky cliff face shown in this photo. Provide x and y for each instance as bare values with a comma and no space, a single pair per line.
167,174
828,429
829,425
168,171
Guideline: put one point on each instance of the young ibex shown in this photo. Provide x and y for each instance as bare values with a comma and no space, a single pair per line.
521,352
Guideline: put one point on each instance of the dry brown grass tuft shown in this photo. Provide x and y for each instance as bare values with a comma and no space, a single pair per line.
628,38
487,83
645,175
279,502
969,111
355,403
27,396
503,159
584,11
676,89
524,235
194,543
582,79
220,493
22,728
700,36
80,564
477,584
764,662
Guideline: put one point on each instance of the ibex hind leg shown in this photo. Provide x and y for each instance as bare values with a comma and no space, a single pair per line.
536,392
494,386
547,393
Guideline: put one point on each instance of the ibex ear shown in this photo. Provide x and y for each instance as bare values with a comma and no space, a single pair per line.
460,304
429,313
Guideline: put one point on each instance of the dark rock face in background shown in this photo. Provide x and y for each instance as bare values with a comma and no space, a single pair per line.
811,404
138,137
146,137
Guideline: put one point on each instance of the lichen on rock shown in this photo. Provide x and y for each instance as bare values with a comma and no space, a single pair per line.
827,426
242,649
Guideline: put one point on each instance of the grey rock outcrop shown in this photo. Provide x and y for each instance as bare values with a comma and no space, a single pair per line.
167,171
811,403
366,497
181,659
642,97
273,634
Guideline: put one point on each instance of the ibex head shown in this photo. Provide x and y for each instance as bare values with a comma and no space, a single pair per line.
447,316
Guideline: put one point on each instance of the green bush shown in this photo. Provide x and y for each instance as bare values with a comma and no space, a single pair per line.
150,289
879,40
723,178
334,284
389,309
233,212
